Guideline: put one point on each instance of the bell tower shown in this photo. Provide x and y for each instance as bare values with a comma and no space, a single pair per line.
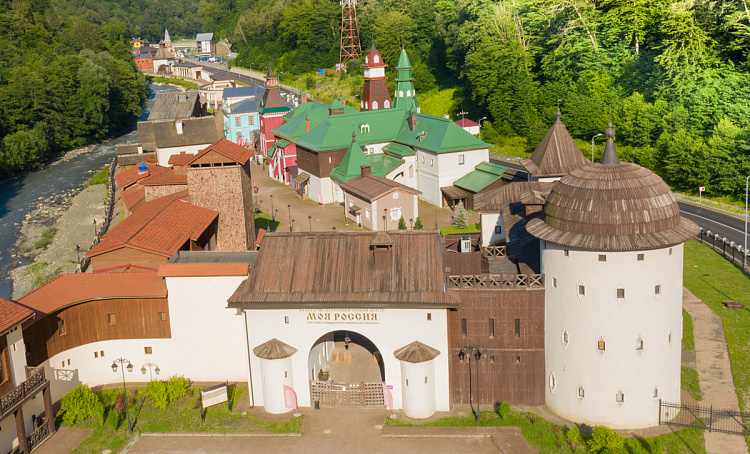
375,93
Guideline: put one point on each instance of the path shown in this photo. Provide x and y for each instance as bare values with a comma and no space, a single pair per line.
714,370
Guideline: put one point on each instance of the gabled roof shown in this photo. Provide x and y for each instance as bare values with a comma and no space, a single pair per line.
351,164
73,288
129,176
336,132
195,131
339,271
241,92
382,164
295,126
161,226
204,37
465,123
167,178
485,174
399,149
174,105
134,197
371,187
556,155
438,135
180,159
243,107
11,314
225,148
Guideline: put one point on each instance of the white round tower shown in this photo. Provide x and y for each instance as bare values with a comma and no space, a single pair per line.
611,252
275,371
417,379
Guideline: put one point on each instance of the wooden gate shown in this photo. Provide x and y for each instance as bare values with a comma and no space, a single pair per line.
332,394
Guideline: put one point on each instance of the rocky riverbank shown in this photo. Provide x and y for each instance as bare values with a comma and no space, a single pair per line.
50,233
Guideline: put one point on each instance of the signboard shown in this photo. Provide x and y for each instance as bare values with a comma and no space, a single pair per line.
700,193
387,396
214,395
348,316
702,188
290,398
321,72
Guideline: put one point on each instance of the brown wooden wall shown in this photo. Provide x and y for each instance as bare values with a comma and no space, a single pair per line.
317,163
88,322
514,370
6,382
124,256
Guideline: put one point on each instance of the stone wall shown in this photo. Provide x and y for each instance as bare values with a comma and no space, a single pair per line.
156,192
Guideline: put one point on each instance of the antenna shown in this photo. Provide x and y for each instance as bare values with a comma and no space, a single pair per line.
462,113
350,48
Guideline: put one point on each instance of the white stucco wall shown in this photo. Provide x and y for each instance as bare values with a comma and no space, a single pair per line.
435,171
488,223
322,186
319,355
274,374
17,352
163,154
391,330
621,323
418,387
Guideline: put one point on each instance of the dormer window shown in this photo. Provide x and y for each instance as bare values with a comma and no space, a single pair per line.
376,59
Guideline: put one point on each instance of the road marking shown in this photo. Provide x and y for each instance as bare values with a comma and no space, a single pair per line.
715,222
715,210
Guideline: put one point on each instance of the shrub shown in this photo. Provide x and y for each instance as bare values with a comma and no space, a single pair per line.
418,224
402,224
177,387
573,434
80,403
605,440
156,391
503,410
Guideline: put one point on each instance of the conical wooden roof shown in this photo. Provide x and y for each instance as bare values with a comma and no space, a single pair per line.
274,349
416,352
617,207
556,155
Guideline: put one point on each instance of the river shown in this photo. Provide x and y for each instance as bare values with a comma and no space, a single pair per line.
18,196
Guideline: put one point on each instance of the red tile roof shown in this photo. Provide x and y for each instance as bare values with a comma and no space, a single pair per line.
73,288
133,174
181,159
227,148
128,268
11,314
203,269
134,197
161,226
465,123
165,178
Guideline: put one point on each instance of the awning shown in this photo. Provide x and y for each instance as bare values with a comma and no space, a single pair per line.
301,178
292,171
454,193
354,209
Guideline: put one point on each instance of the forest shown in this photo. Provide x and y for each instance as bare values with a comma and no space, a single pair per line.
673,74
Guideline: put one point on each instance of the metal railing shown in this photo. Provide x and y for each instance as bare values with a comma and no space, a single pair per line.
704,417
34,381
729,249
497,281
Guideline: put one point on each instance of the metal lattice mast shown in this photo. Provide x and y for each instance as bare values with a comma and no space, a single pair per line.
350,48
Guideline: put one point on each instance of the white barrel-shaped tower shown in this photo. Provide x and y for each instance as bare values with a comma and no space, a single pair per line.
275,371
417,379
611,252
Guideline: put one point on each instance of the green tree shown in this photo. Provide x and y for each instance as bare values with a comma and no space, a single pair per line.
418,224
402,224
461,218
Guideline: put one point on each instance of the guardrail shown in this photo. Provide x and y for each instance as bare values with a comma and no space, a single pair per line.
494,251
729,249
33,383
497,281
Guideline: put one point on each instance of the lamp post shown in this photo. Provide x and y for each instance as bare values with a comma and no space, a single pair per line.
592,145
150,365
272,212
744,256
289,207
78,253
121,361
411,224
95,227
477,351
309,218
480,127
385,223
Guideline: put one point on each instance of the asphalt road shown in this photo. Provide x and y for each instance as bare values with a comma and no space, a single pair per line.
727,225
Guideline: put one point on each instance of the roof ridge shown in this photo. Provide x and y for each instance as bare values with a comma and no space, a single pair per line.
45,284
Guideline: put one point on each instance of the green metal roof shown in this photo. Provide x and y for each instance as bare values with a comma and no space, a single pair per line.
270,152
281,143
335,133
476,181
265,110
490,167
441,135
398,149
382,164
351,164
295,127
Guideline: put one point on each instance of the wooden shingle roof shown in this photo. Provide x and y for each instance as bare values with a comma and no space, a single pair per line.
416,352
556,155
337,269
274,349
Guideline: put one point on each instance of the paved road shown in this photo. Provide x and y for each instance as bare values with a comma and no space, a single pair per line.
727,225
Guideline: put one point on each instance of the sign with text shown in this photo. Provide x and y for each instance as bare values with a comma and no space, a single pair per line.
214,395
290,398
387,396
348,316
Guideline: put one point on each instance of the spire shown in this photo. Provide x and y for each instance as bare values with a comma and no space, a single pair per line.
609,158
558,113
405,96
167,39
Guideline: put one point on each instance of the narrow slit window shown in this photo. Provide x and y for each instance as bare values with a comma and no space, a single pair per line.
492,327
602,258
601,346
620,397
581,392
463,327
61,327
620,293
582,290
657,289
162,316
566,253
554,282
639,344
429,316
517,326
111,319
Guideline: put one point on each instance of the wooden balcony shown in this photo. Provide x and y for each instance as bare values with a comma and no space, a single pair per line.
497,281
35,382
494,252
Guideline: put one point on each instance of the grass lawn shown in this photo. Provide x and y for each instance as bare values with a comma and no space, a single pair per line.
690,382
181,416
173,81
688,339
265,221
453,230
549,438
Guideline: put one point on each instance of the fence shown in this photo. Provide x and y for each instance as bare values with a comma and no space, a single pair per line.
497,281
729,249
108,212
331,394
702,417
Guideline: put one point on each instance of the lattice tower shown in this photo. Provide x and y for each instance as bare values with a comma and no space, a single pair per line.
350,47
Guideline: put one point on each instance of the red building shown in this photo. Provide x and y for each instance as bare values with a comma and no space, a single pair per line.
375,94
144,62
272,109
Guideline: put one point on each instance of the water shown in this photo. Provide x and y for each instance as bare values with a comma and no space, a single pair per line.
17,197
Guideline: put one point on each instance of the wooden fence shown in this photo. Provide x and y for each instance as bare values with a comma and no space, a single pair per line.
333,394
494,281
102,228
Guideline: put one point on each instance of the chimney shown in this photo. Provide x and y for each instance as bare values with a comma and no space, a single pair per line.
366,170
303,97
178,125
140,149
412,121
307,124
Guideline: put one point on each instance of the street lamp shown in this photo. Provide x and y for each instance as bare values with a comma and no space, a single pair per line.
477,351
309,218
480,127
411,224
78,253
744,256
150,365
94,227
592,145
272,212
289,207
129,367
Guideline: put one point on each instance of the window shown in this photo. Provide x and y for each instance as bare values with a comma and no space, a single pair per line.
460,159
620,293
498,230
670,251
641,257
517,324
429,316
639,344
61,327
250,120
657,289
425,378
395,214
566,253
286,374
600,345
411,171
407,382
374,105
148,350
238,121
565,338
581,392
552,382
422,159
602,258
492,359
432,161
620,397
367,213
656,392
401,93
669,339
518,360
554,282
101,354
111,319
463,327
492,327
96,354
286,319
581,290
162,316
